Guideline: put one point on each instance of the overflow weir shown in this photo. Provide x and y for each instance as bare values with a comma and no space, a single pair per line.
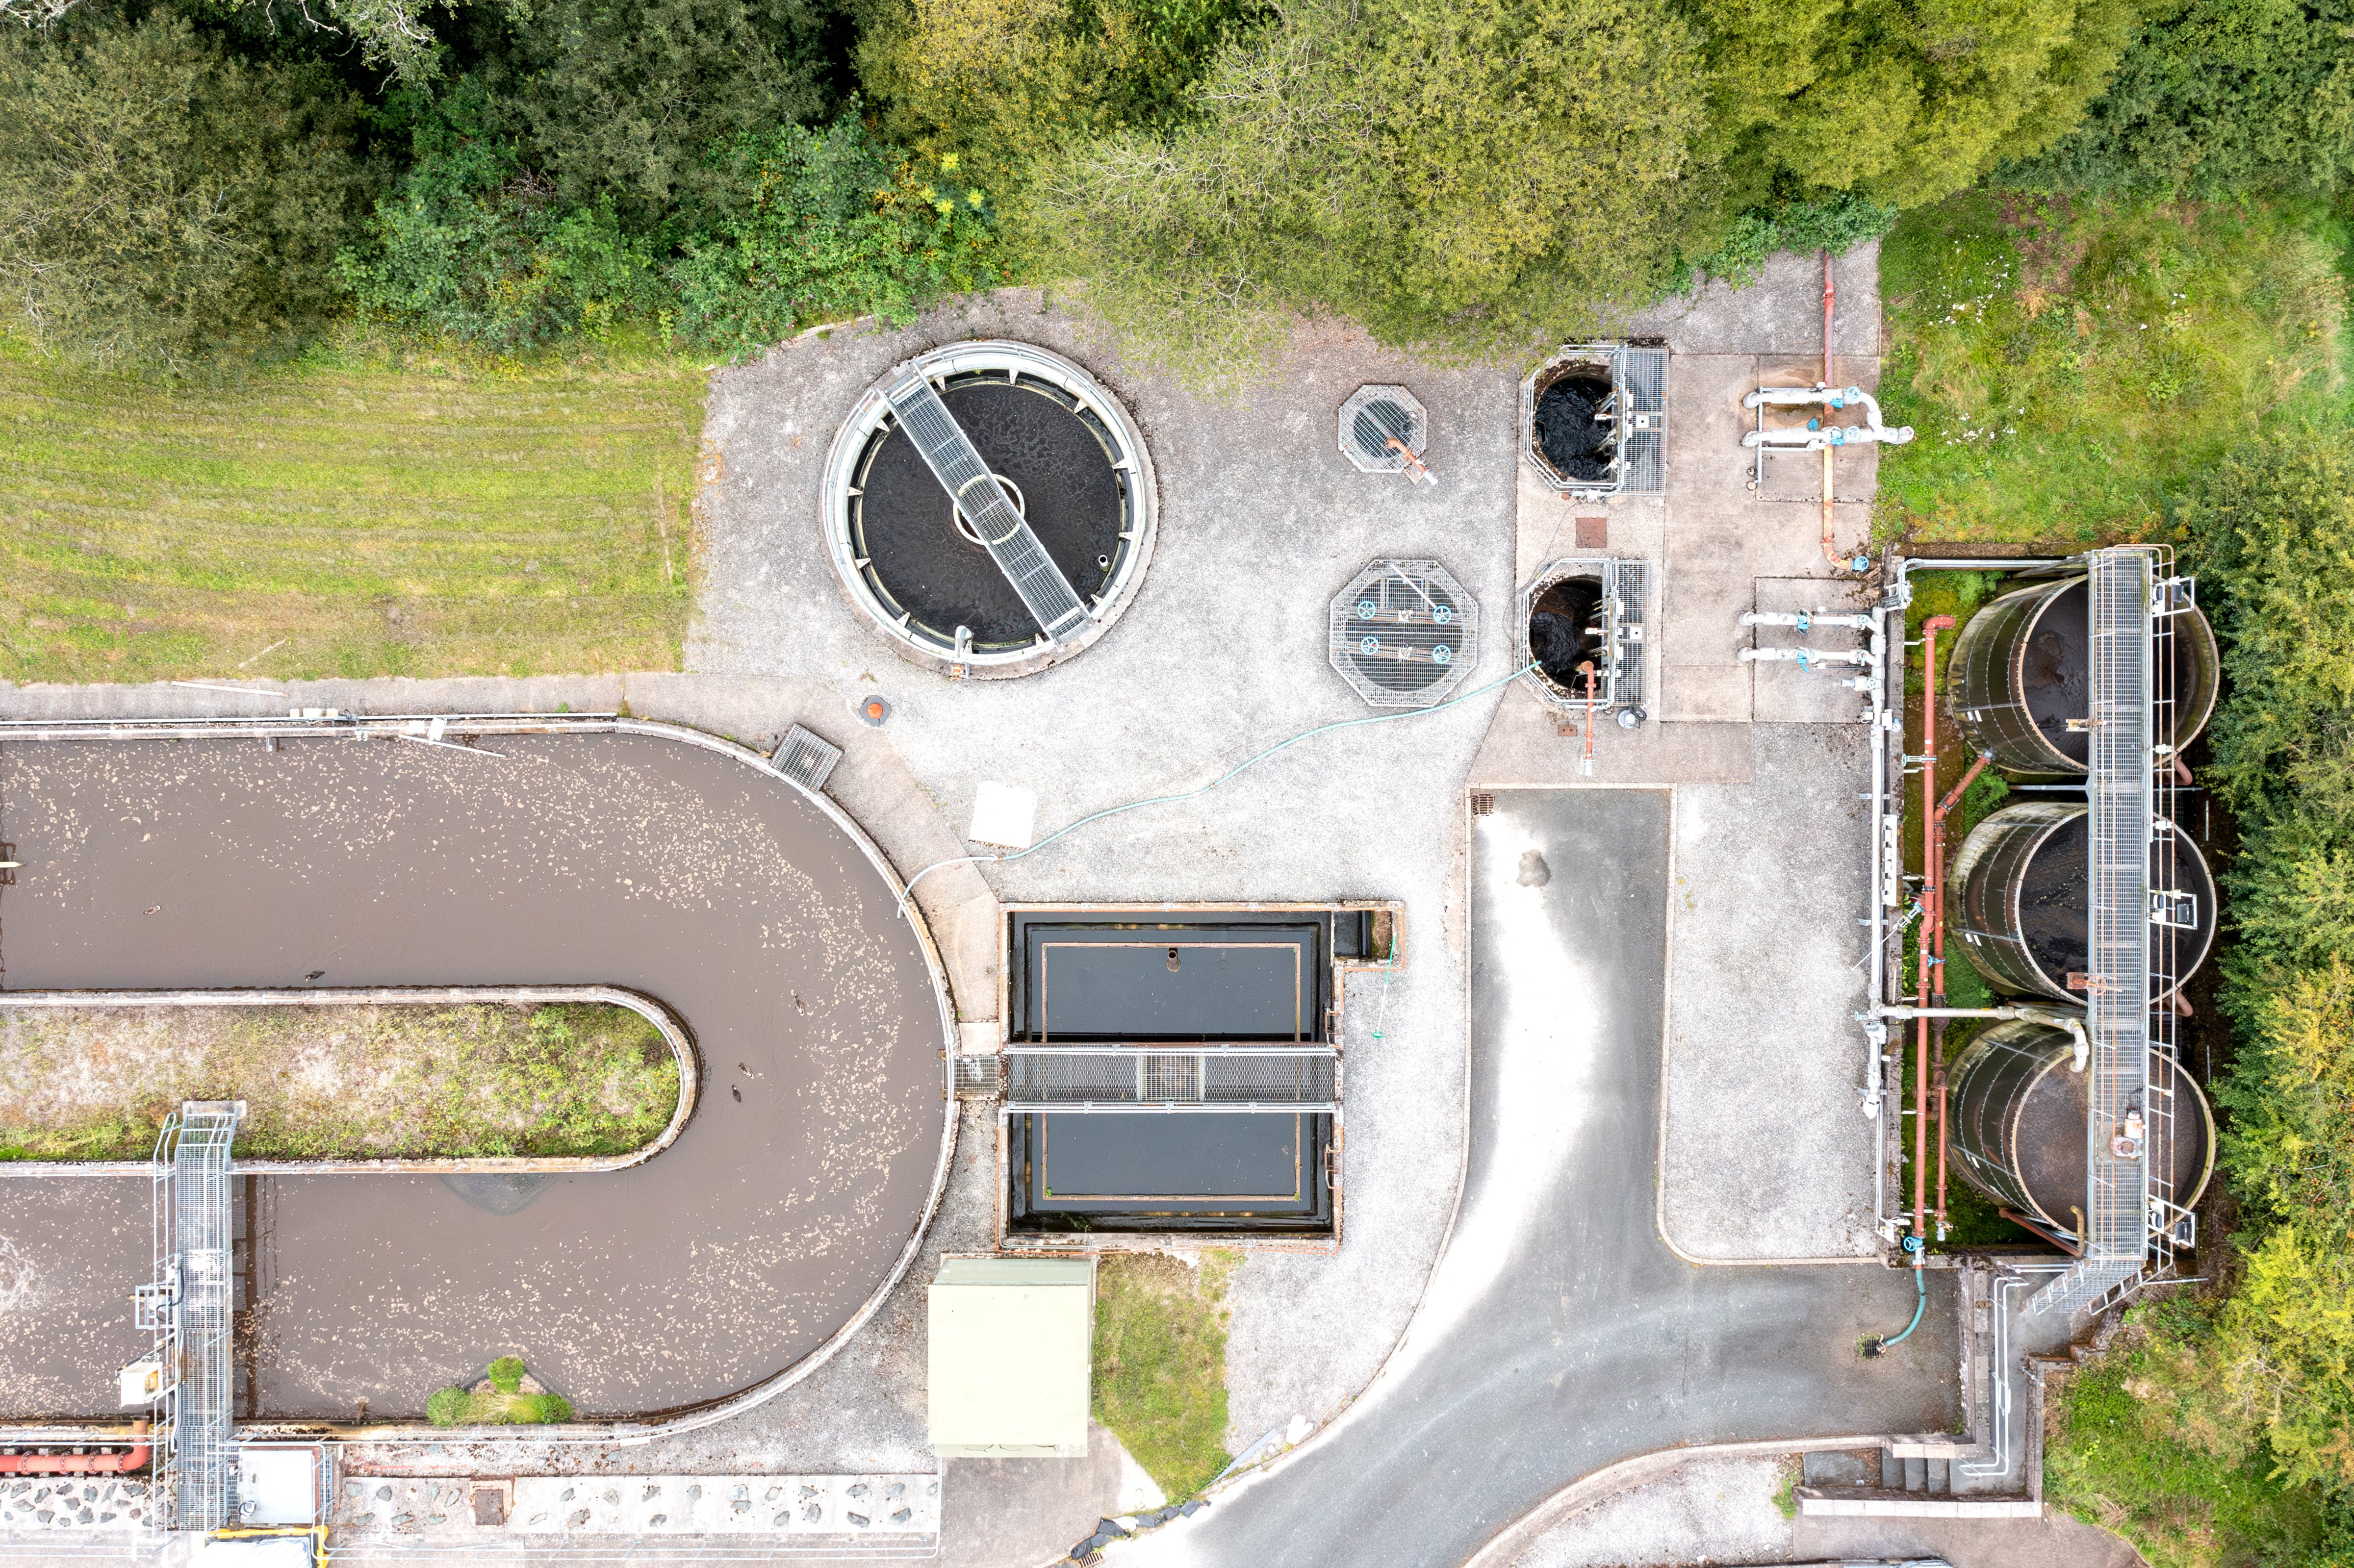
533,849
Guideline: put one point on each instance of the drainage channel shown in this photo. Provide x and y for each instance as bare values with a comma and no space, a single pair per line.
598,852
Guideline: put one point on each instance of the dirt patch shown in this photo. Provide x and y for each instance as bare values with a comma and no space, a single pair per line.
355,1081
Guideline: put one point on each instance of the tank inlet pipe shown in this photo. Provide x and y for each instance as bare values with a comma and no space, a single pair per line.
2052,1016
1921,944
909,890
119,1463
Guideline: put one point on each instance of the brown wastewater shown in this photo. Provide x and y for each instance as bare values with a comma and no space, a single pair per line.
787,1202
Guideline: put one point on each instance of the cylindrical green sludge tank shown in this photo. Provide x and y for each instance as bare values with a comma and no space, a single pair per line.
2017,1114
2021,681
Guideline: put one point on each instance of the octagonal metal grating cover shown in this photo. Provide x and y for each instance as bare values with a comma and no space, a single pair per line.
1403,633
1371,416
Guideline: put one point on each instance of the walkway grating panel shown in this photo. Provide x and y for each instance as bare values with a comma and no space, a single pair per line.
1004,534
189,1309
2119,787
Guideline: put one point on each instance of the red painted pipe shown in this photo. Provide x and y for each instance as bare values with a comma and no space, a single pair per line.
127,1461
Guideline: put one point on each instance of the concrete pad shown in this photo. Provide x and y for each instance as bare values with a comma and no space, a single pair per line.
1765,1154
2054,1541
1704,693
1781,312
1525,746
1707,465
1220,655
1706,1510
1784,693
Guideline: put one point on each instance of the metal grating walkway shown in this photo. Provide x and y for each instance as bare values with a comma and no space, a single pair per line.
188,1309
1172,1078
1003,532
2119,788
1643,422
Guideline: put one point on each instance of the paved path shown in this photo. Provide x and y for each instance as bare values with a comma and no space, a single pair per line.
1559,1334
692,875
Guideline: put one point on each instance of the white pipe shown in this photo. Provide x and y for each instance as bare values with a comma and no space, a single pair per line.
1804,620
1830,436
1876,1032
1808,658
2057,1019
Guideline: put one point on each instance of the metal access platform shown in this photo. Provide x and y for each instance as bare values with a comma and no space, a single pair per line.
2133,1228
187,1308
977,494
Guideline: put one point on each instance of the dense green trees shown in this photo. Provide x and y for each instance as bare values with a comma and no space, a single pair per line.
2272,535
2216,99
161,199
1461,173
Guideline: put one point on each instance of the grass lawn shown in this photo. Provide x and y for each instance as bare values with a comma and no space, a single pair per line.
2127,1455
407,1080
1160,1364
345,518
2069,367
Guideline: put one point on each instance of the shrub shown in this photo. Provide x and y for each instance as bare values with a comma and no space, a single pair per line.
2216,99
620,99
475,246
1474,174
505,1373
817,224
162,203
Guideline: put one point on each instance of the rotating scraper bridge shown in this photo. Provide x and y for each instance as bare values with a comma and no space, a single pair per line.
543,850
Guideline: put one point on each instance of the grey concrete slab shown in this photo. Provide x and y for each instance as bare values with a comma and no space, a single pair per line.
1527,745
2055,1541
1705,1509
1220,655
1780,313
1770,878
1708,468
1559,1334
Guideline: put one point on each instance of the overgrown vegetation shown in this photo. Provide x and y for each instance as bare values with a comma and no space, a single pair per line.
2225,1433
1160,1364
2071,369
353,516
505,1395
361,1082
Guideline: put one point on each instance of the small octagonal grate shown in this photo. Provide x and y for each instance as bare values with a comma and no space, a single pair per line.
1372,417
1403,633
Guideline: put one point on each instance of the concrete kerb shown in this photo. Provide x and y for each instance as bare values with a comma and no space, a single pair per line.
428,729
673,1032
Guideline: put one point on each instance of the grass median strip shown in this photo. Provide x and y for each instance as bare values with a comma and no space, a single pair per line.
403,1080
349,518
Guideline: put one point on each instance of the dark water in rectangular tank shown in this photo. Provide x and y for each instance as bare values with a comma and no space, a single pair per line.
1172,976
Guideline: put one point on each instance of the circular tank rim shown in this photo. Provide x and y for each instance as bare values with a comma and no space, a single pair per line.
866,414
2188,727
2060,1063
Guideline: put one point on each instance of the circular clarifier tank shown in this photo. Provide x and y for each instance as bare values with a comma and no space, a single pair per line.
2022,678
2023,892
1070,460
2018,1120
